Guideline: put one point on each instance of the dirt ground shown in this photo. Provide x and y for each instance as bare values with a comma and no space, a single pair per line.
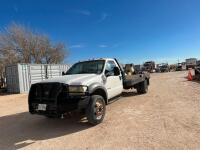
167,118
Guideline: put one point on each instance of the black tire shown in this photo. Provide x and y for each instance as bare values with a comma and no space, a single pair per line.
96,109
142,87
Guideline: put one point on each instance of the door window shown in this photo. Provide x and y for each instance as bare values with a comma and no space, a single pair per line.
110,67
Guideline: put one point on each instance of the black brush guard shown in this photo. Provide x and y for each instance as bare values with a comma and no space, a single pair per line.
56,97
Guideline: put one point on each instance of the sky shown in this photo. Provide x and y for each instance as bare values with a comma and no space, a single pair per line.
134,31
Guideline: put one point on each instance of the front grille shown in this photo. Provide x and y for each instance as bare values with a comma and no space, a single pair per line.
45,92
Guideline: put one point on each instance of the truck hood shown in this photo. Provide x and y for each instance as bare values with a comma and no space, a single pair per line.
76,79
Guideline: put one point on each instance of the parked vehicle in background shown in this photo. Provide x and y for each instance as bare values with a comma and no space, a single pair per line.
164,67
149,66
183,65
191,63
179,67
87,86
157,68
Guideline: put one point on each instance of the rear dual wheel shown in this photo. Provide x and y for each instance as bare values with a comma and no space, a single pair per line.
142,87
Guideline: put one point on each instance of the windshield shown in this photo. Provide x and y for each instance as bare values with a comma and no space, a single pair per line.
87,67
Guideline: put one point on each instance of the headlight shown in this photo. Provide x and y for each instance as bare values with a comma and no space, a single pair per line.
77,89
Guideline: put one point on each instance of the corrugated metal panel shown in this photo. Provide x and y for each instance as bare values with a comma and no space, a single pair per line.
53,71
37,73
24,77
21,76
64,67
56,70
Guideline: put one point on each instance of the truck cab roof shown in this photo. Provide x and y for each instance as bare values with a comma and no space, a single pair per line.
94,59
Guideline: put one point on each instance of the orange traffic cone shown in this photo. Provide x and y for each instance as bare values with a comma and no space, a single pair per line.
189,76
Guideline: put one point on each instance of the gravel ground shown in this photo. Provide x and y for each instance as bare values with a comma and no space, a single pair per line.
168,117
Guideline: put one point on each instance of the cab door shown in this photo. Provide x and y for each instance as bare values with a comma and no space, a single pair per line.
114,83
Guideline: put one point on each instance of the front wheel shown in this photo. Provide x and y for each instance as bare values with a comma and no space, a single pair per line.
96,109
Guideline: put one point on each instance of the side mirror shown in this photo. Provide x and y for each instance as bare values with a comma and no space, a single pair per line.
108,73
116,71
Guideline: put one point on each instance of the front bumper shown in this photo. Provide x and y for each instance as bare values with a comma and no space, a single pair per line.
56,109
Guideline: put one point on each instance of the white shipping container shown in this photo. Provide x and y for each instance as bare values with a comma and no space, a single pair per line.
19,77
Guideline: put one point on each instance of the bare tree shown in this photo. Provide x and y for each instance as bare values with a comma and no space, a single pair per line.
54,54
19,43
46,53
29,47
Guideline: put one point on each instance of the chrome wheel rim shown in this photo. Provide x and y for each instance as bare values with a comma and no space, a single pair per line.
99,109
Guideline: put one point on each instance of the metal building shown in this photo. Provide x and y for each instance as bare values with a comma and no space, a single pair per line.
19,77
